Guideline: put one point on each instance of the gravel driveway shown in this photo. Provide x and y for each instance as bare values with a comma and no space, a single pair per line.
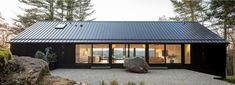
154,77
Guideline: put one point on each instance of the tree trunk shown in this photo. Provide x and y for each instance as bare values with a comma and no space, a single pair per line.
232,37
225,31
192,10
51,10
233,51
3,38
233,56
62,11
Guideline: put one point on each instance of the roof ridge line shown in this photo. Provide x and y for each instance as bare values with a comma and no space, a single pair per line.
126,21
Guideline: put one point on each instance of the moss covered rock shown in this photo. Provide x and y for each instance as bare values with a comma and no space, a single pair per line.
5,57
31,73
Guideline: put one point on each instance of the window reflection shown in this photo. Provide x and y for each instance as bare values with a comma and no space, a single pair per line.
137,50
120,52
100,53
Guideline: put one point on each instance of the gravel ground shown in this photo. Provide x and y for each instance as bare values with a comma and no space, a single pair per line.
154,77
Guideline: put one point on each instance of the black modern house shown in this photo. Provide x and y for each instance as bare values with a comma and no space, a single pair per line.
187,45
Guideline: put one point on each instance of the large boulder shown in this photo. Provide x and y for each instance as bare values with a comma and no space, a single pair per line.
25,70
138,65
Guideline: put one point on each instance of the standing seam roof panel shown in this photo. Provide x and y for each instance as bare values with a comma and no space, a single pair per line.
119,31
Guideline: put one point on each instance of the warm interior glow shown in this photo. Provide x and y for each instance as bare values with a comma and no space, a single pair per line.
187,54
137,46
137,50
120,52
114,45
155,54
83,53
143,46
174,53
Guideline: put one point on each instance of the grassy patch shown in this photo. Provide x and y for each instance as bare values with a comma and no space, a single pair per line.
230,79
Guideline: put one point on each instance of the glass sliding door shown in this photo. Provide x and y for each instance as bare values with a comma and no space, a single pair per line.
119,53
137,50
156,55
100,54
83,53
173,53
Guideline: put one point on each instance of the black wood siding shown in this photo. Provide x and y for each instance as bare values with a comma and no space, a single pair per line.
29,49
207,58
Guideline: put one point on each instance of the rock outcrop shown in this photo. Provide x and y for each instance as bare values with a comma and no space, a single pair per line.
56,80
138,65
25,70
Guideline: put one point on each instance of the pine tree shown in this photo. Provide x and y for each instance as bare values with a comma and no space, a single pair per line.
44,7
222,13
52,10
60,10
187,10
26,20
78,10
85,10
70,9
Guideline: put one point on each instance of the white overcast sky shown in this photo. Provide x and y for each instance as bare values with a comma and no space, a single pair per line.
108,10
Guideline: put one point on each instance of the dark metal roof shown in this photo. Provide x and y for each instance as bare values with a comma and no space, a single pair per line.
118,32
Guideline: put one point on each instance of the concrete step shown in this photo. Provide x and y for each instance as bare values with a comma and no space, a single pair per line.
100,67
158,68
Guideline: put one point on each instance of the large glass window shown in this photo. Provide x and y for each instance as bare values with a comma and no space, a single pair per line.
100,53
187,54
83,53
156,55
137,50
120,52
173,53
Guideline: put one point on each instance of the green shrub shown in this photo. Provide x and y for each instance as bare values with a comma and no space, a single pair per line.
40,55
5,57
52,57
49,56
230,79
